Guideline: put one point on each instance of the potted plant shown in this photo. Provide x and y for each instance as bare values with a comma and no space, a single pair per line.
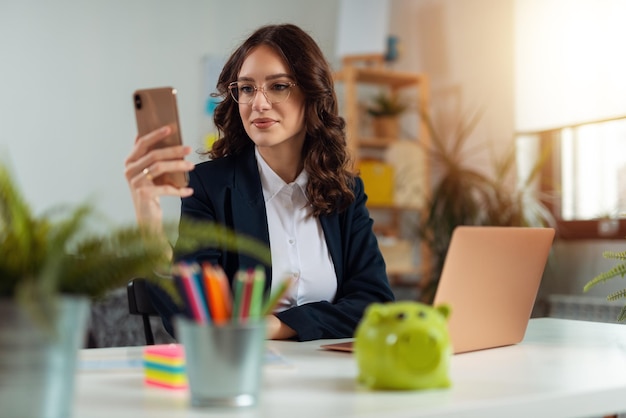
385,108
51,266
465,195
618,270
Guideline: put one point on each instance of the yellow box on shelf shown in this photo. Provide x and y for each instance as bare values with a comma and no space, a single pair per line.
378,178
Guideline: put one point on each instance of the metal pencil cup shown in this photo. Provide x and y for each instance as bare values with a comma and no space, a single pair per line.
224,363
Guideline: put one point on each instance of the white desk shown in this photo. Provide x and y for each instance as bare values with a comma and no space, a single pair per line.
563,368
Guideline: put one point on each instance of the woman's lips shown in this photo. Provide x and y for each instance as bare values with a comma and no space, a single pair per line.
263,123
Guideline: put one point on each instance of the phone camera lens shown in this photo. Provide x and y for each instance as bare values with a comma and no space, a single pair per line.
137,101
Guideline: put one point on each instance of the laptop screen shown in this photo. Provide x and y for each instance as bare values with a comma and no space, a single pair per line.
490,279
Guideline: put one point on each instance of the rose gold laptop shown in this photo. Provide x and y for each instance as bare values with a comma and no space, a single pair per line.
490,279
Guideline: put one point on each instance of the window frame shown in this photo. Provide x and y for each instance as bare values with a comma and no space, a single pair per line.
550,175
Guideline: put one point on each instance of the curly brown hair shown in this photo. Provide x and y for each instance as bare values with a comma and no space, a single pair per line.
324,154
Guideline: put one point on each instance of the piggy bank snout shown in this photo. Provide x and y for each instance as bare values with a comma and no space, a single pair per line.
420,350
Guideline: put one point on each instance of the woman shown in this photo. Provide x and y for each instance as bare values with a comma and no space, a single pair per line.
280,173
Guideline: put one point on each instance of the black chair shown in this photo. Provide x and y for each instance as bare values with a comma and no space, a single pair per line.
139,304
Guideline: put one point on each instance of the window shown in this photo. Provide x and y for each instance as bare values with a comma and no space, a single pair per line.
584,181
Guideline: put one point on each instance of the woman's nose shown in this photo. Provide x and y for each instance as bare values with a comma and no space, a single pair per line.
260,100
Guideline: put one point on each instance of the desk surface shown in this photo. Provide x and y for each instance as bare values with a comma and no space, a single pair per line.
563,368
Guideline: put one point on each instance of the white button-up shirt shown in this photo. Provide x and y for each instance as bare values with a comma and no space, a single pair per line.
297,242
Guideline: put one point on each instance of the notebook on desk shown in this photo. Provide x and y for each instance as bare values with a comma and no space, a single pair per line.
490,279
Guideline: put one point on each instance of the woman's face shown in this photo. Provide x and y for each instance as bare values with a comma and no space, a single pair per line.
271,124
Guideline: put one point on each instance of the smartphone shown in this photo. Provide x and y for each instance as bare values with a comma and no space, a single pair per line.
155,108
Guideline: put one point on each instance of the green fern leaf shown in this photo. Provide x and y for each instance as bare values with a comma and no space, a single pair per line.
618,270
615,255
622,315
620,294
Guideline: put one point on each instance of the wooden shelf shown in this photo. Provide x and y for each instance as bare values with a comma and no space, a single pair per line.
381,76
370,70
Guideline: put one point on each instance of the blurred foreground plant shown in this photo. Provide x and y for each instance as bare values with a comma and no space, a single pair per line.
57,252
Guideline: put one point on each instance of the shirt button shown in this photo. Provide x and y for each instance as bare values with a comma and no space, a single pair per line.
291,241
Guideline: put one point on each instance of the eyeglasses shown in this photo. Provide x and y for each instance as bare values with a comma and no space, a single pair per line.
244,92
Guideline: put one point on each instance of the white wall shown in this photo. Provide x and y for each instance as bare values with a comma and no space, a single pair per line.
232,21
466,49
68,69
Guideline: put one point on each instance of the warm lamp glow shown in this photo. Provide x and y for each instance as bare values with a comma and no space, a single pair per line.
570,63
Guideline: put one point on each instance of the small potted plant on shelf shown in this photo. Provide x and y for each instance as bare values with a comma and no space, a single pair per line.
51,266
618,270
385,108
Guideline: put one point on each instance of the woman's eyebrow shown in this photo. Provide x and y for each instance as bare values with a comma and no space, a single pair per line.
269,77
281,75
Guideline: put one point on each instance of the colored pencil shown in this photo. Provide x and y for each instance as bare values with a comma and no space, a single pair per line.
197,306
225,288
215,296
246,296
258,287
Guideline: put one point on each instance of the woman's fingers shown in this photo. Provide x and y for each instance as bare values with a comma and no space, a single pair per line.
147,150
144,143
140,176
133,167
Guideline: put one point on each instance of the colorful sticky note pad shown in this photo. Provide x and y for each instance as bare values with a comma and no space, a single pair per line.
164,366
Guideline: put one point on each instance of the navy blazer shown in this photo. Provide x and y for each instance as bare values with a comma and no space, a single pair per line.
228,191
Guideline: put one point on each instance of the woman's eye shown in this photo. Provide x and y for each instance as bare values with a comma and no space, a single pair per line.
246,89
279,86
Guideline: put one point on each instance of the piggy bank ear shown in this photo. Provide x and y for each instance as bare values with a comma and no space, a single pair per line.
375,313
444,310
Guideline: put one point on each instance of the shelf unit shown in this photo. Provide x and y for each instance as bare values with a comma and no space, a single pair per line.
369,70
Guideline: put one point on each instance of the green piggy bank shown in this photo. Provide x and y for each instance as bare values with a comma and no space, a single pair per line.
403,345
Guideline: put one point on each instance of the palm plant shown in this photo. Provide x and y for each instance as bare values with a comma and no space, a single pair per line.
465,195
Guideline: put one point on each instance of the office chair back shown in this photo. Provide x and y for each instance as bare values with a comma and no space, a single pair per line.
139,304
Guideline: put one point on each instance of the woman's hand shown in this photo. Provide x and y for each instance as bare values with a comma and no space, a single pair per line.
143,165
277,330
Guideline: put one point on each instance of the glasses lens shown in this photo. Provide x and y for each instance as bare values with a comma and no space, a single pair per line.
245,92
278,92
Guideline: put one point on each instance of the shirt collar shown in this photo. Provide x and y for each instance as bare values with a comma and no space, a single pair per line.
272,183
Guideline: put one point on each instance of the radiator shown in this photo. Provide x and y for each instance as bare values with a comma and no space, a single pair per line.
586,308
